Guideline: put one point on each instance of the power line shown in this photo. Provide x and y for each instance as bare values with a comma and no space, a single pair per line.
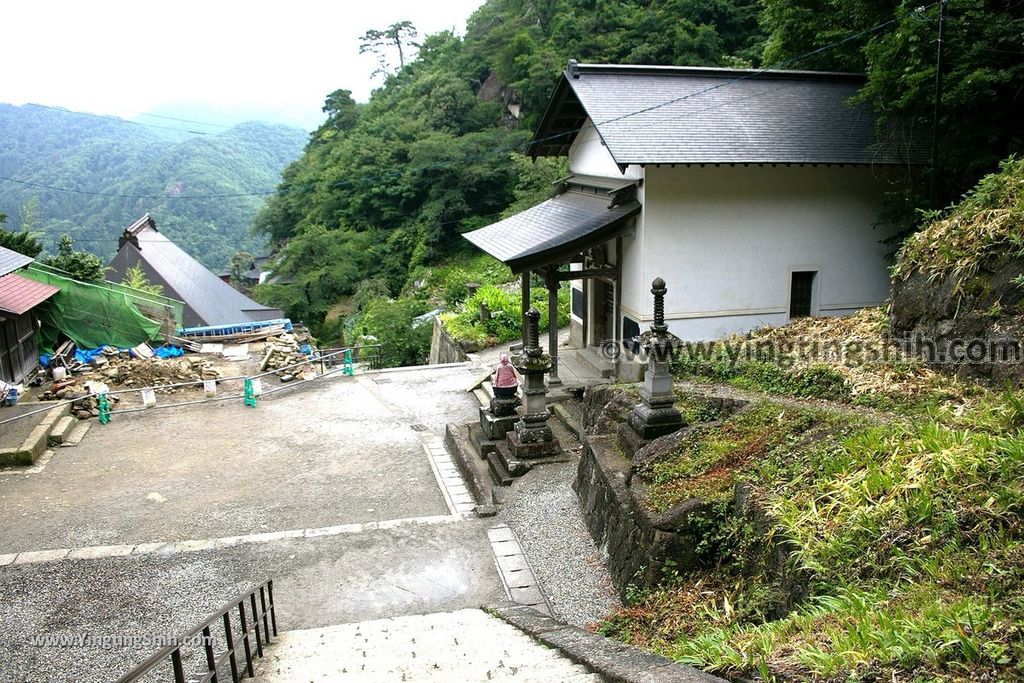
41,185
173,118
115,119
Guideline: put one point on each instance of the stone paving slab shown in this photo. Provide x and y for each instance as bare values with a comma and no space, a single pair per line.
467,645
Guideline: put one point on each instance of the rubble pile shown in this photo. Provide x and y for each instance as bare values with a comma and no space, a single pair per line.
115,368
128,372
283,351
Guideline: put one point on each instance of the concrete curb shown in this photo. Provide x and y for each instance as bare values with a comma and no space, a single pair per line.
37,441
563,415
479,483
613,660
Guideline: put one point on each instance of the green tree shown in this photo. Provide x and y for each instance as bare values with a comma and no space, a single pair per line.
135,278
392,322
21,242
241,261
29,219
79,264
982,111
399,37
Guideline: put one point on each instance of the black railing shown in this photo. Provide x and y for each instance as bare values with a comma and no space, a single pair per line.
253,631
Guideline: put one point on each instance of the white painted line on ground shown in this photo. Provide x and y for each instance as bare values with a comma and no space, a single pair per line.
96,552
518,580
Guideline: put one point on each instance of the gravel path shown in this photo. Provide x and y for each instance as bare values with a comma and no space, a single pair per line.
545,514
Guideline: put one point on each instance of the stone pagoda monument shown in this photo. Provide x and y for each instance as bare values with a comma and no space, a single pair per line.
656,414
530,441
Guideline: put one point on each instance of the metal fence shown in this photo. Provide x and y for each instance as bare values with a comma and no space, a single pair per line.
220,653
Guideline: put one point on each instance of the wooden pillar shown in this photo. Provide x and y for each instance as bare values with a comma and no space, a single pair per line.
617,334
552,285
526,300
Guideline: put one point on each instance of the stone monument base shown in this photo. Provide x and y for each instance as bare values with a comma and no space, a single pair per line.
650,422
496,427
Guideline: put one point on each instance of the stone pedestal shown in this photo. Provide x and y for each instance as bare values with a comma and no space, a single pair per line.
494,425
656,414
532,437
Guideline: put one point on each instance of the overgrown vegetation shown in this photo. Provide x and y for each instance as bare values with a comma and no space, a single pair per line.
493,314
21,240
851,360
986,228
864,551
81,265
706,463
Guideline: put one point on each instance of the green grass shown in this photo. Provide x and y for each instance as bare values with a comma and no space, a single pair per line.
710,457
868,551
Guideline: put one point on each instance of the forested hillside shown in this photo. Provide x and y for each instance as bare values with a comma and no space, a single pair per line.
109,172
387,187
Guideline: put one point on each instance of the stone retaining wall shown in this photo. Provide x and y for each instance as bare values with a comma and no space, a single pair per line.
636,542
444,349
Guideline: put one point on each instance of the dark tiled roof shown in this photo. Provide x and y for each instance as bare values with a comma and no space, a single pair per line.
11,261
554,229
208,299
19,294
687,115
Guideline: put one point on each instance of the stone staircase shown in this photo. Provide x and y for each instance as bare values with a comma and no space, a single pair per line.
25,441
467,645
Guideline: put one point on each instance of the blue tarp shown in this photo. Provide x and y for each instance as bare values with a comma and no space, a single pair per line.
86,355
167,351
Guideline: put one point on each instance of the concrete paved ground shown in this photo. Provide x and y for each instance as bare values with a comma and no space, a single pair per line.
345,452
341,452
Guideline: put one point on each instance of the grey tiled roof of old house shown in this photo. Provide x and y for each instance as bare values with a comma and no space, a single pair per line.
208,299
686,115
555,228
11,261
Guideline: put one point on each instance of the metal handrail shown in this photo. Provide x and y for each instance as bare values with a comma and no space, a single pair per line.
249,635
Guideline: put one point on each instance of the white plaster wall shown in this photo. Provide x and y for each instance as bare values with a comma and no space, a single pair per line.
589,156
727,238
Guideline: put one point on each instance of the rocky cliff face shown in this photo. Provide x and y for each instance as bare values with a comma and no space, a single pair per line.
959,282
974,329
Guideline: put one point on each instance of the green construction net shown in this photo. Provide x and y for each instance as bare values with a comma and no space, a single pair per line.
98,314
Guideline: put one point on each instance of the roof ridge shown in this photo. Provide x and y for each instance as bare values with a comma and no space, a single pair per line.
713,71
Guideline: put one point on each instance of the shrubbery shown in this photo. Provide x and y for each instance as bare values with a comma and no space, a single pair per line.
505,322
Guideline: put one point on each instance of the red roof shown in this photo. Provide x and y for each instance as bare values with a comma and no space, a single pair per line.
19,294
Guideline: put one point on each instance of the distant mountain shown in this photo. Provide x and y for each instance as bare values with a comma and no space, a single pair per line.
94,176
214,118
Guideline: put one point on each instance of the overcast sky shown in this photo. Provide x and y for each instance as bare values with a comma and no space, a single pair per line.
124,58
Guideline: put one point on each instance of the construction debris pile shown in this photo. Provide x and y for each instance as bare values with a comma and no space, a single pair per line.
286,350
124,369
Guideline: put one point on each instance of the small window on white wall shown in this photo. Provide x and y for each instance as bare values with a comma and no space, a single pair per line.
801,293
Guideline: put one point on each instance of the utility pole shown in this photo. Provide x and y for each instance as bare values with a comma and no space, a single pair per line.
938,100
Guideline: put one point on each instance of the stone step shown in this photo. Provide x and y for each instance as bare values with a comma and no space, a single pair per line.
594,363
499,472
76,434
479,441
467,645
61,429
